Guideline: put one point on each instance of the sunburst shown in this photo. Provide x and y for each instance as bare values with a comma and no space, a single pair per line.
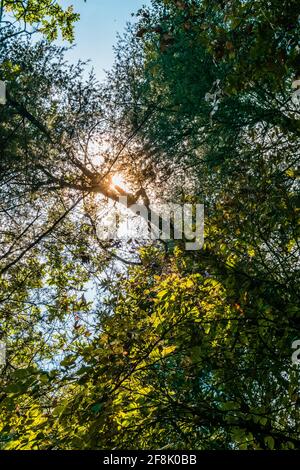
118,180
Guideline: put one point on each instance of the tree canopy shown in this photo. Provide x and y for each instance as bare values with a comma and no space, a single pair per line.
144,345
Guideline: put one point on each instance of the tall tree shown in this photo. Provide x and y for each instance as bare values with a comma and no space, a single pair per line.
190,350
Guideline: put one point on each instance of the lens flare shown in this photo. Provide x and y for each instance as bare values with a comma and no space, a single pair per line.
118,180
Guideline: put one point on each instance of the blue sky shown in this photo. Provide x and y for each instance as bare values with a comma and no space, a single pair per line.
96,31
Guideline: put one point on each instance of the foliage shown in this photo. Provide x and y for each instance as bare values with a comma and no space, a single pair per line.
182,350
44,16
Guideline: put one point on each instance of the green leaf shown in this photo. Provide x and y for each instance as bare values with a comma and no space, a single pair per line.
270,442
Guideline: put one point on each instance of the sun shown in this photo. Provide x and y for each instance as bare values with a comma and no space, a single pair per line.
118,180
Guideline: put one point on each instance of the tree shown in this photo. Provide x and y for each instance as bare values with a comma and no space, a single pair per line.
44,16
190,350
